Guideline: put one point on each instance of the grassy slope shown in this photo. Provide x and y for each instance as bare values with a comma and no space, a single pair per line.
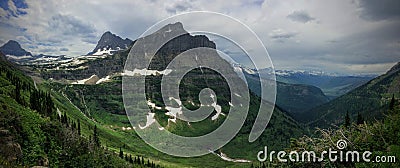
99,97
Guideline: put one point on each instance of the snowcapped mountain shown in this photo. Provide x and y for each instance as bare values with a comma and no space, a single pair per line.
109,43
14,50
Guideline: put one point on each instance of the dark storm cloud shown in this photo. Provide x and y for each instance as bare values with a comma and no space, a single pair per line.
300,16
375,10
367,50
380,45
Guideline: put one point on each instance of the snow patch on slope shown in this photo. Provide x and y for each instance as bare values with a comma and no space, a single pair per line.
105,79
225,157
104,51
145,72
83,81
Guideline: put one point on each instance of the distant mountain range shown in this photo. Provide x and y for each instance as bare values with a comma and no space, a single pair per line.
333,85
369,100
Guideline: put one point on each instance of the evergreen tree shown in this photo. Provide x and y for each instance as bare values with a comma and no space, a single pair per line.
130,158
73,125
47,145
49,105
96,139
18,97
391,105
79,127
121,154
347,120
360,119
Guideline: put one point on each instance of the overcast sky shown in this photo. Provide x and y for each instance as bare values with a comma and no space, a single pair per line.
343,36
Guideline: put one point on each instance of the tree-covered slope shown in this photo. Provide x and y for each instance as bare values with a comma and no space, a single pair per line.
366,100
293,98
34,134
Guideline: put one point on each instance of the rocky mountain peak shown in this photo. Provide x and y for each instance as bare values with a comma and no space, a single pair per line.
110,42
172,27
14,48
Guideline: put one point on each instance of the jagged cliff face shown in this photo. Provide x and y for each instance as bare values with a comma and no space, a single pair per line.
178,41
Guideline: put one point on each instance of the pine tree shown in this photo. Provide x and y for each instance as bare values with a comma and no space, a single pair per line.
347,120
391,105
121,154
47,145
49,105
360,119
96,139
18,97
79,127
73,125
130,158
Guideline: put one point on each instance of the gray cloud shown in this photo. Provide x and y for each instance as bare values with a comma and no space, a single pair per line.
46,50
281,34
64,49
70,25
179,6
374,10
300,16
